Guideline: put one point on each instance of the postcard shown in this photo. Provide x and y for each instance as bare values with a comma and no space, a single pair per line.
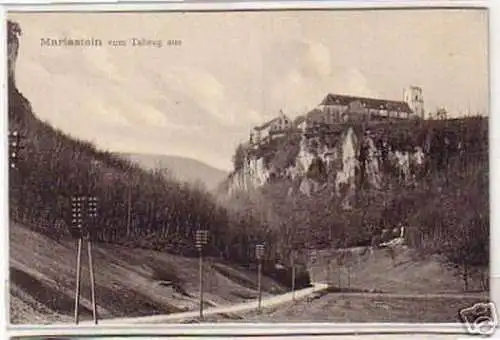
247,167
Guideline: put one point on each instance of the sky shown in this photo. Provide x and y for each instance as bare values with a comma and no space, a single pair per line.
235,70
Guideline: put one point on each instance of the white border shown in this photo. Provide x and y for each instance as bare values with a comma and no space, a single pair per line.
275,328
4,191
494,130
249,329
200,5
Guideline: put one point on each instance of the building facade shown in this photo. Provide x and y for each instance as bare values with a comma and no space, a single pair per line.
415,100
273,128
338,108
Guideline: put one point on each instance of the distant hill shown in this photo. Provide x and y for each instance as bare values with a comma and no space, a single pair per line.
181,168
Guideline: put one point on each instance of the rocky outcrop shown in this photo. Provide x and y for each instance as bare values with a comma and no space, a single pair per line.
13,33
20,110
347,164
252,175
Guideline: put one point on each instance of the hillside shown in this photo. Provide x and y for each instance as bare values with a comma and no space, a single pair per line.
374,288
129,282
141,214
181,168
140,282
137,207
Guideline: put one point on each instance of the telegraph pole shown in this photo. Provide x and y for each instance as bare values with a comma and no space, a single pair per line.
14,148
293,275
259,254
92,213
129,210
312,260
77,223
201,240
81,225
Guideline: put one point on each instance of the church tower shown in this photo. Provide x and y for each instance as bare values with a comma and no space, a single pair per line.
415,100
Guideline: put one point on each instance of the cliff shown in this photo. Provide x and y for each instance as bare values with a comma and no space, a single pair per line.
344,185
20,111
351,155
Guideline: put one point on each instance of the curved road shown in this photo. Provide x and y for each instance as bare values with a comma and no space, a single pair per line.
266,303
278,300
374,331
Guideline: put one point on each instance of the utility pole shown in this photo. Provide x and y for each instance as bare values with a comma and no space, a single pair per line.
312,259
259,254
14,148
129,209
340,264
77,223
293,275
92,213
201,240
81,224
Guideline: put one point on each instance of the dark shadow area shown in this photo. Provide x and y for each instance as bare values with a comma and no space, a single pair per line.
50,297
123,302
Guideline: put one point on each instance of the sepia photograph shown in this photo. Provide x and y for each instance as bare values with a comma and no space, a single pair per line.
264,166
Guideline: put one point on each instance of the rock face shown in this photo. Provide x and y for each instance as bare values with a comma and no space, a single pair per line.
252,175
13,33
20,110
347,164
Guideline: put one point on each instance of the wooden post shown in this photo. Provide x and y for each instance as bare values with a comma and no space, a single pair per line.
201,284
339,276
201,238
340,265
260,284
129,211
78,273
329,273
293,277
348,277
92,281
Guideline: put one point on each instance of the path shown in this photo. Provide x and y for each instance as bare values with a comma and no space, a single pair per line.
266,303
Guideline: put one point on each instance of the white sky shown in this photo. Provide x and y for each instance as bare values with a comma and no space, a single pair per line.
238,69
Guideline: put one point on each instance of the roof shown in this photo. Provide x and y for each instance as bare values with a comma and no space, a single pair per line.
299,120
267,124
370,103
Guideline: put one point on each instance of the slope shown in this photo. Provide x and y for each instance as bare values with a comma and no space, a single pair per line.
129,282
372,287
408,272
